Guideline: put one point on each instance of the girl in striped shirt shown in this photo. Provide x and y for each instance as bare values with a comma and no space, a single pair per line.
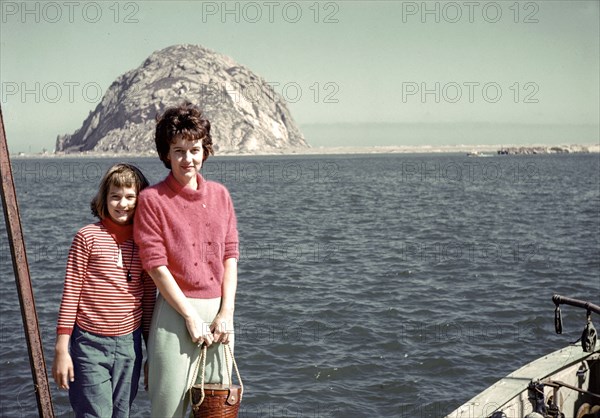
107,304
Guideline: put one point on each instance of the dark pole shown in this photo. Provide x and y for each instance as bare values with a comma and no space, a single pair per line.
563,300
23,280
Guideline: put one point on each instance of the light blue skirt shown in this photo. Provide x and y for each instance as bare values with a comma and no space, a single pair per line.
173,356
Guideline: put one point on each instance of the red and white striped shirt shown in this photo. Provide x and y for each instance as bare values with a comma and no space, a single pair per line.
97,295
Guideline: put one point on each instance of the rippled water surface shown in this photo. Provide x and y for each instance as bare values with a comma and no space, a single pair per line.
369,286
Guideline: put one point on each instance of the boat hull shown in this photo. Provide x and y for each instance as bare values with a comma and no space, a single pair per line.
570,366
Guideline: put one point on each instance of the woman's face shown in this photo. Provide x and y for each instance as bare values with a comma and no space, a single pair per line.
186,160
120,203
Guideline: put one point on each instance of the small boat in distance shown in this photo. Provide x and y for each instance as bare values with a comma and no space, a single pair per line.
478,154
565,383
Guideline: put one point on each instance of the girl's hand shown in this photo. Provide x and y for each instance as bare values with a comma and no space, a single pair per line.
222,327
199,330
62,369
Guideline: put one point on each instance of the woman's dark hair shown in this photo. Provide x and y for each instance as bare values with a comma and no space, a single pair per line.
184,121
119,175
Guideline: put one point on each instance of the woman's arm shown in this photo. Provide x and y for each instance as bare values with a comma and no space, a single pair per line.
222,325
168,288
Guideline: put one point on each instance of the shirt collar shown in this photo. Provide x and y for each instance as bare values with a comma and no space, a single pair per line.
185,191
119,232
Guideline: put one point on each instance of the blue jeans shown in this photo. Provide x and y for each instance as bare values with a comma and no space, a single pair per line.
107,373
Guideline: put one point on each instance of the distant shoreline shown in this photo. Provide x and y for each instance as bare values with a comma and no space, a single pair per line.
475,150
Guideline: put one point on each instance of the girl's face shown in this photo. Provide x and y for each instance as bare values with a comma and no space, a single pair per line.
121,204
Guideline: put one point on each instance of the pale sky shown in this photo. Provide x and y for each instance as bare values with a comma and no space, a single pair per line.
504,62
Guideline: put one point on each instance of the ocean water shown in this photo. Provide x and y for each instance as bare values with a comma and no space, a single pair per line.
369,285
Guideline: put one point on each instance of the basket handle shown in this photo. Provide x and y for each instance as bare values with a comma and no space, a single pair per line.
202,360
237,372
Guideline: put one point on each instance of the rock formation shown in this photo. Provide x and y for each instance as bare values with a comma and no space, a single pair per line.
246,114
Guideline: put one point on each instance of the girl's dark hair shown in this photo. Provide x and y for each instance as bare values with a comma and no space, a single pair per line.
184,121
119,175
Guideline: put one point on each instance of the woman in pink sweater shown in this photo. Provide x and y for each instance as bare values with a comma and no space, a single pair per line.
187,234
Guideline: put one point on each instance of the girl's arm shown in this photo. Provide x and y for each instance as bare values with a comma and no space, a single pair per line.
148,301
168,288
62,367
222,325
76,271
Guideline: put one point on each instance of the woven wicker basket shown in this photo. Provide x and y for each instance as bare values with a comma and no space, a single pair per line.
216,400
220,401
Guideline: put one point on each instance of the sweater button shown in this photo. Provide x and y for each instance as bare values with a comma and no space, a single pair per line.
212,278
195,264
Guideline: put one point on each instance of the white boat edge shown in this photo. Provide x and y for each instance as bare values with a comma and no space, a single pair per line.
510,394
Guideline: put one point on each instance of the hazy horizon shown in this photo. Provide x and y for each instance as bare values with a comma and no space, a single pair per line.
385,134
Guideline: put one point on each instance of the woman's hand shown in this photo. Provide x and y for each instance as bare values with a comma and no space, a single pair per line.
167,286
222,326
62,367
199,330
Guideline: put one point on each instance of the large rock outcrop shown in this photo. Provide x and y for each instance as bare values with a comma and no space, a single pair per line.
246,114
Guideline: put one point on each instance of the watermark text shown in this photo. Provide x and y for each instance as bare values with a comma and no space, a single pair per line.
69,11
270,12
469,91
470,11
